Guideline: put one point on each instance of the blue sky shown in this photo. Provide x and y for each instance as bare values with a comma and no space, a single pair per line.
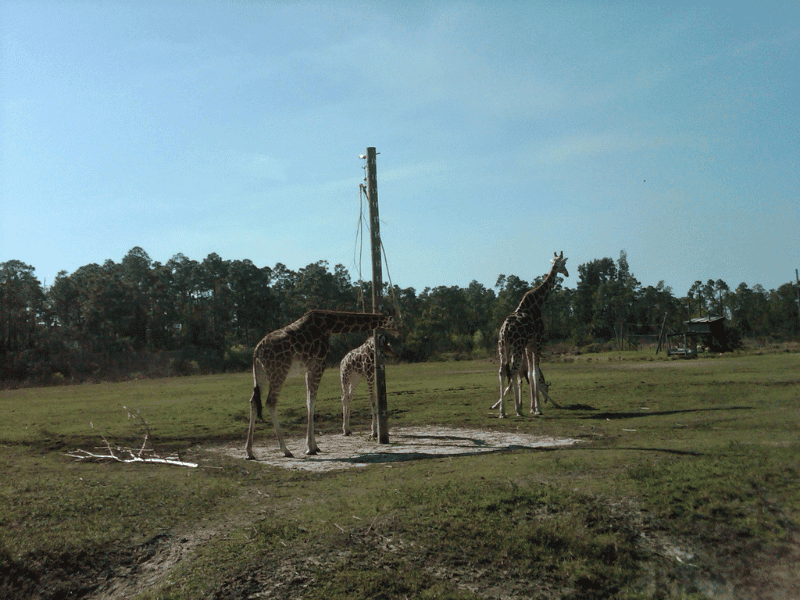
506,131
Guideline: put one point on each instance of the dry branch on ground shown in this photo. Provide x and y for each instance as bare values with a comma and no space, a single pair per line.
129,455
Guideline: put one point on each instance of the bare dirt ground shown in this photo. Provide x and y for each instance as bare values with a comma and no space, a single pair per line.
406,443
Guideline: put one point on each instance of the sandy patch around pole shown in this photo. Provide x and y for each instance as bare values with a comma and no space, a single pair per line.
406,443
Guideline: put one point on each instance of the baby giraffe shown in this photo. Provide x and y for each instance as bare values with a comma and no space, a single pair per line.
360,362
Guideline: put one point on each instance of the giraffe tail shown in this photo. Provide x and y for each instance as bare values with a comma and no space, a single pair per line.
256,399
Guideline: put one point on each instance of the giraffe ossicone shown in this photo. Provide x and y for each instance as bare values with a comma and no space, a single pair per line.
520,342
307,339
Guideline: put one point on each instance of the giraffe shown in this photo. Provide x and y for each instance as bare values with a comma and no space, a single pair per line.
521,338
307,340
544,387
360,362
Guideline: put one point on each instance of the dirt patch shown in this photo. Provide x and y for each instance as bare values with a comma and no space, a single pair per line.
406,443
164,552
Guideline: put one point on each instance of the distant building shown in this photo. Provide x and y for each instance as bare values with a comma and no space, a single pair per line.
708,331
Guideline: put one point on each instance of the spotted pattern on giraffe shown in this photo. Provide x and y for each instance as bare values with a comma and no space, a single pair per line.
359,364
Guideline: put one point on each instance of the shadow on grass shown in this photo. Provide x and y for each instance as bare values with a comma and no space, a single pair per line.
452,438
660,413
449,445
392,457
420,446
381,458
634,449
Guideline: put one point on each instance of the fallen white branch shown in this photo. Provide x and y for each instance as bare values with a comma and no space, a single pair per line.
127,455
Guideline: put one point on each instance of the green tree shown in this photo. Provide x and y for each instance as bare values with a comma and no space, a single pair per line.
479,308
696,301
284,284
721,293
783,312
164,309
215,301
442,322
751,310
255,308
180,277
136,283
63,297
510,290
23,306
592,293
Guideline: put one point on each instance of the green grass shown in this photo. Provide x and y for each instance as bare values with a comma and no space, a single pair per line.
698,455
400,531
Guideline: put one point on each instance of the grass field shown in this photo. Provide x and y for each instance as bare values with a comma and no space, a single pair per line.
685,485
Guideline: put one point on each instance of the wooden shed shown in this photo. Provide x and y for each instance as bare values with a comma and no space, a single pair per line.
709,331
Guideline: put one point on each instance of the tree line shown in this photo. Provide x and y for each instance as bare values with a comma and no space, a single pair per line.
139,317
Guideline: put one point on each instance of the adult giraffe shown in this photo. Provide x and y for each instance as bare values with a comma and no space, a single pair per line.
307,340
521,339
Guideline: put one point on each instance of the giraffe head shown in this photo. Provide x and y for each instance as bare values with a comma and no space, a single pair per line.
390,325
559,264
386,347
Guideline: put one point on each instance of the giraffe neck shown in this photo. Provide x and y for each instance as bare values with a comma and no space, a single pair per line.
534,299
350,322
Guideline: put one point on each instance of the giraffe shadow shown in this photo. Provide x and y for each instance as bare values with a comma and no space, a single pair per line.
433,446
409,444
396,457
660,413
451,438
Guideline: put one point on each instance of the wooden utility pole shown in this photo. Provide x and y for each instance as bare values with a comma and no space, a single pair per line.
797,284
377,294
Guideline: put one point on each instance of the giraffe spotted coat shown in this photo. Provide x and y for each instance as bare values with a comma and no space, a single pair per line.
360,363
520,342
306,340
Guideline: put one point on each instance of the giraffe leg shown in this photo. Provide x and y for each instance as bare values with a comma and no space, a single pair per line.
347,395
272,405
502,414
313,378
535,373
518,395
255,401
273,383
273,411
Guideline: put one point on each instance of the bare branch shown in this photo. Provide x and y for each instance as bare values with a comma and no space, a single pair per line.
128,455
